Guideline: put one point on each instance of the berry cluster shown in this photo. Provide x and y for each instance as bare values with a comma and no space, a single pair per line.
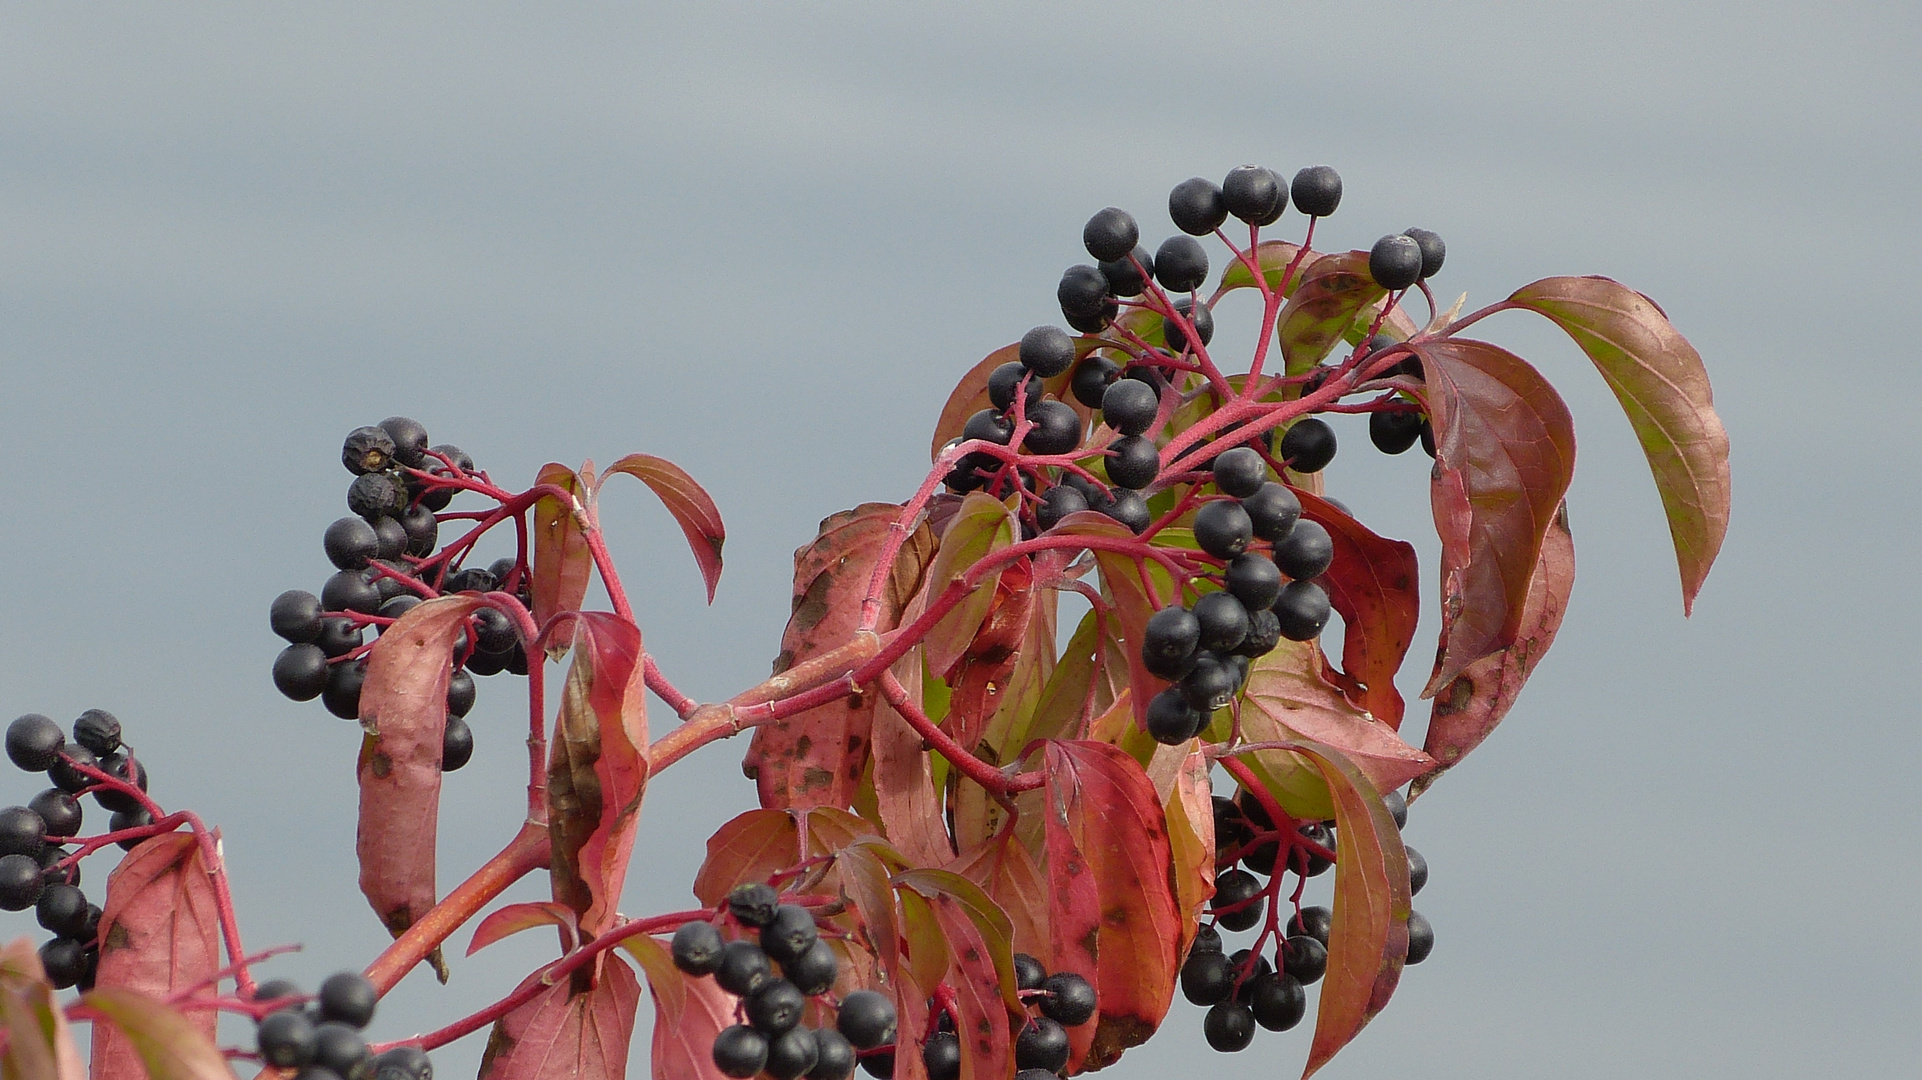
385,561
1246,989
36,870
1041,1049
321,1037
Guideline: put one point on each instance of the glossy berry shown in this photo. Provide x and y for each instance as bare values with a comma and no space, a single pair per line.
366,450
1394,431
1421,938
1129,406
789,934
300,672
1042,1044
1223,621
1251,967
65,960
814,971
295,617
1308,446
342,695
1091,379
20,881
1302,610
1125,278
743,968
1207,978
1223,528
1229,1027
1272,510
376,495
1169,640
348,997
21,831
1305,958
1277,1001
338,637
65,772
1133,462
1307,552
34,742
753,903
1196,207
456,744
1417,871
1130,509
1003,381
867,1018
391,538
1240,472
137,818
460,694
1316,922
1170,720
941,1055
1318,833
99,731
461,458
409,439
1234,887
833,1056
1083,291
1433,251
697,948
1110,234
1028,972
62,909
1202,316
59,812
775,1007
1209,684
1058,502
403,1063
1395,262
740,1051
421,529
989,425
1180,264
1397,805
1254,194
1253,579
1056,430
1316,190
1070,1000
1048,350
349,590
791,1054
286,1039
121,766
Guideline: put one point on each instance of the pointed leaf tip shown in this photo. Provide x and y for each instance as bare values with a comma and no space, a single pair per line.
690,504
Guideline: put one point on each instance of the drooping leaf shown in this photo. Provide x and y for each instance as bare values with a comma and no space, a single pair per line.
562,561
1135,592
865,874
1372,583
688,1013
1106,833
977,815
693,510
1006,872
167,1043
1189,808
38,1043
906,797
816,757
1334,292
748,848
926,953
981,968
514,918
159,934
1287,701
981,527
565,1034
1660,381
980,677
1504,455
1472,703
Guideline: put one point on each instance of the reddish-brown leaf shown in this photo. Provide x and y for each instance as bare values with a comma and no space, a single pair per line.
688,1013
977,815
969,396
568,1035
866,871
815,758
170,1044
159,934
749,848
1105,825
693,510
37,1044
1373,584
981,674
1135,591
1288,701
562,561
1659,379
1505,452
1007,873
514,918
980,968
597,766
1472,703
1334,291
981,526
910,806
1188,804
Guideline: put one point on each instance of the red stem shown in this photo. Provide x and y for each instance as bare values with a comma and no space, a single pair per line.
964,763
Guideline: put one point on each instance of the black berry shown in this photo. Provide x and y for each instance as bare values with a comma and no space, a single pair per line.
789,934
1395,262
697,948
456,744
1229,1027
300,672
1177,335
867,1019
1254,194
1305,958
1129,406
833,1056
339,1048
34,742
376,495
348,997
1170,719
1277,1001
743,968
791,1054
1397,805
775,1007
1223,528
1433,251
1233,887
1110,234
392,538
1196,207
366,450
99,731
1070,999
409,438
1307,552
1318,833
1313,921
1393,431
65,772
59,812
1003,381
1302,610
1180,264
349,590
421,529
1091,324
1028,972
1272,510
1308,446
403,1063
813,972
1083,292
1223,621
20,882
65,961
740,1051
1421,937
22,831
460,694
121,766
1056,430
1316,190
1130,509
286,1039
1125,278
1417,871
1042,1044
338,637
62,909
1207,978
1209,684
1048,350
295,617
1058,502
941,1055
1133,462
1091,379
342,696
1240,472
989,425
753,903
1254,580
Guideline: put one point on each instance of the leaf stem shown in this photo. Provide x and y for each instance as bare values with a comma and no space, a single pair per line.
528,851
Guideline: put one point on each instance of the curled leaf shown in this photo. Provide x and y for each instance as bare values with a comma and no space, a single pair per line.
562,561
159,935
1287,701
514,918
168,1044
1335,291
693,509
1372,583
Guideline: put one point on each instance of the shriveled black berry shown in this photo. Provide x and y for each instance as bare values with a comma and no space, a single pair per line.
775,1006
1223,621
1264,633
1070,999
1125,278
1254,194
1272,510
1417,871
403,1063
34,742
1048,350
1042,1044
697,948
1091,379
65,961
286,1038
1130,406
743,968
833,1056
1003,380
989,425
813,972
295,617
20,881
1229,1027
1239,472
460,694
1304,957
753,903
1130,509
300,672
99,730
1421,938
867,1018
1056,430
366,450
1169,641
789,934
349,590
1316,922
1170,719
59,812
1196,207
339,1048
1308,446
1395,262
1316,190
1207,978
941,1056
1133,462
1180,264
740,1051
376,495
1058,502
1028,972
1394,431
1083,292
1302,610
1277,1000
342,696
1201,315
1223,528
470,579
1306,552
1234,887
1110,234
338,637
1209,684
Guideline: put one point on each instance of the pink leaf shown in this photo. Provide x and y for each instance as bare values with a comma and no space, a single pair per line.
1287,700
566,1034
159,934
169,1044
699,518
562,561
514,918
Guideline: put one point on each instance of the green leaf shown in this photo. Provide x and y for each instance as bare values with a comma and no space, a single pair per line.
1287,701
1274,257
1335,291
1660,381
171,1046
981,526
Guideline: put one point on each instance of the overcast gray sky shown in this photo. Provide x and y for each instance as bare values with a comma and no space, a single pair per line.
764,240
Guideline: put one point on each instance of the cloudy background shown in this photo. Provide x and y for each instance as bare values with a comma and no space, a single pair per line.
765,240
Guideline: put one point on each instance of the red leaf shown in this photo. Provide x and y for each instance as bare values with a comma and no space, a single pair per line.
562,561
565,1035
982,526
969,396
1505,452
911,809
597,766
979,677
1007,873
170,1044
1189,808
159,934
699,519
1105,824
1372,583
1334,292
1287,701
514,918
37,1042
1136,590
688,1013
1472,703
866,881
980,969
749,848
403,707
1659,379
815,758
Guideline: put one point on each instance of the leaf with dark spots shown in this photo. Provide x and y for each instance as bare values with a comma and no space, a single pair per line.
1335,291
1659,379
597,766
168,1044
748,848
980,675
926,959
1504,455
980,969
688,502
38,1043
564,1034
1006,872
816,757
982,526
688,1013
1106,833
514,918
1373,583
159,935
1467,709
403,709
1287,701
562,561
